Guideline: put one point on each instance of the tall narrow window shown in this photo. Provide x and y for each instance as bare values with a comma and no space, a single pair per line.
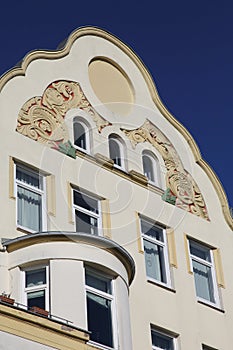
116,151
100,309
36,288
81,135
204,272
150,168
30,198
162,341
155,252
87,213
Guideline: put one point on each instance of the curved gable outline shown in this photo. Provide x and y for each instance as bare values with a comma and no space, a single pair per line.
43,54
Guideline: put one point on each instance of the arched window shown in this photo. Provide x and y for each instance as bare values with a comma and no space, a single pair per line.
116,151
81,134
151,168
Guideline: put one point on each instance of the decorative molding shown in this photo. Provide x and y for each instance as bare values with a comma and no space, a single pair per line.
182,190
43,118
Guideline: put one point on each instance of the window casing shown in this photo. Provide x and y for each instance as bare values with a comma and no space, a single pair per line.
116,151
202,263
87,213
151,168
100,309
156,252
30,194
81,135
36,287
162,341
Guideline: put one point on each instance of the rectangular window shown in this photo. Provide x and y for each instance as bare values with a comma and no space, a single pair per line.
30,199
36,287
155,252
204,272
162,341
100,309
87,213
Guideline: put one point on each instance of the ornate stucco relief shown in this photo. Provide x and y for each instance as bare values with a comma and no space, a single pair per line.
182,190
42,118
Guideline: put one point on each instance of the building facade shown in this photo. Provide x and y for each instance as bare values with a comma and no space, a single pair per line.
116,234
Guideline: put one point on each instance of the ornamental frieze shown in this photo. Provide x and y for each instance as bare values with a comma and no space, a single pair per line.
42,118
182,190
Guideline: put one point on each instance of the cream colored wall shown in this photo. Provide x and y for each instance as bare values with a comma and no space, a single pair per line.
178,311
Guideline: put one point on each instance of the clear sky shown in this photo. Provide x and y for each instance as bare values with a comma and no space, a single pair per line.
186,45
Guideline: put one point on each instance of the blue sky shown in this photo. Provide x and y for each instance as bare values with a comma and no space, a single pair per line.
186,45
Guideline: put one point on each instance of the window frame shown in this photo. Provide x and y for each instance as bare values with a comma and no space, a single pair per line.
39,191
108,296
84,124
155,168
163,244
165,335
43,287
117,139
77,207
212,267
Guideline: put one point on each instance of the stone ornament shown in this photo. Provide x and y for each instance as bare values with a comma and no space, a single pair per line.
182,190
42,118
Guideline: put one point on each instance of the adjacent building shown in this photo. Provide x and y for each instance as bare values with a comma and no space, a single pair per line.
115,233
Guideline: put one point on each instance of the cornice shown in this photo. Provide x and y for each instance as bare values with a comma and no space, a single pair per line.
93,31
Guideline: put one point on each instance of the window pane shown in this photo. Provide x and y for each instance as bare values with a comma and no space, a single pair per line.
86,202
86,223
29,209
200,251
148,168
162,341
203,281
99,319
115,151
79,135
36,299
96,282
155,264
28,177
35,277
151,230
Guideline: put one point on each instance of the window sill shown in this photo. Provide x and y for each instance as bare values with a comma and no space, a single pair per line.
164,286
100,346
212,306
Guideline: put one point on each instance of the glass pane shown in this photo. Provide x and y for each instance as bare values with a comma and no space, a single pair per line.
154,259
86,223
36,299
151,230
29,209
162,341
99,319
97,282
29,177
148,168
79,135
35,277
203,281
86,202
200,251
115,151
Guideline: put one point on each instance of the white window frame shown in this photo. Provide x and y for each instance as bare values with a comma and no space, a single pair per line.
164,334
163,245
41,192
154,168
44,287
211,265
87,134
98,216
108,296
119,142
